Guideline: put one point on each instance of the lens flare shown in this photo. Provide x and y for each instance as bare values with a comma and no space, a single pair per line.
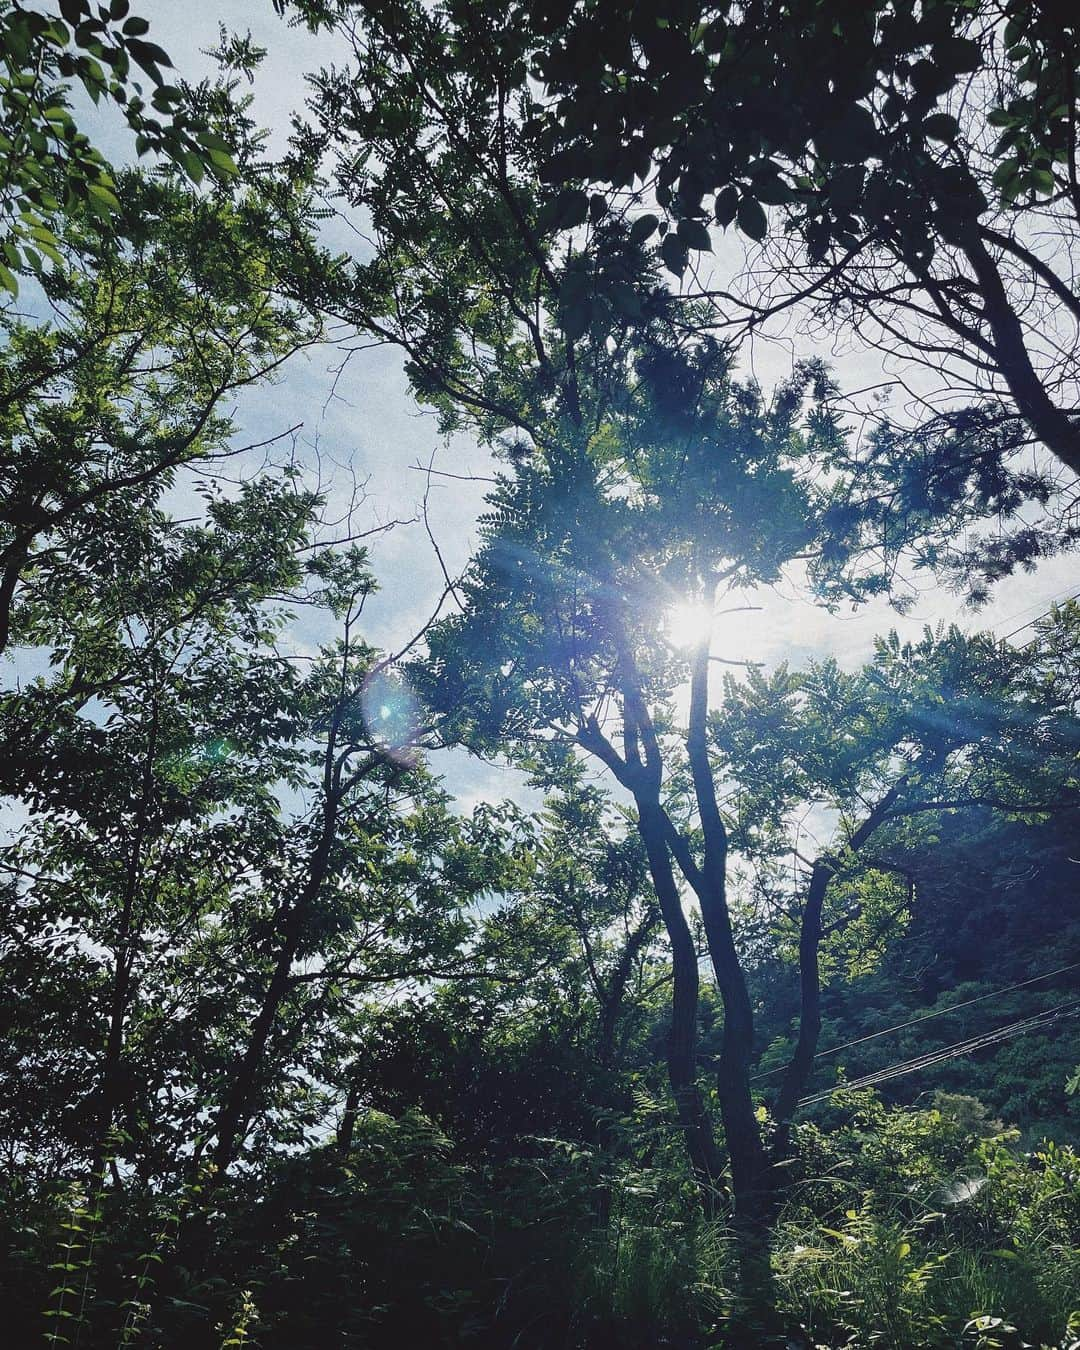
391,716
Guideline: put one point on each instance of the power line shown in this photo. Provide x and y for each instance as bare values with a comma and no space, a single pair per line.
1000,1034
925,1017
1056,598
954,1051
1031,622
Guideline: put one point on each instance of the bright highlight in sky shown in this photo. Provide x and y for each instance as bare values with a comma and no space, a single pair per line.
686,623
391,715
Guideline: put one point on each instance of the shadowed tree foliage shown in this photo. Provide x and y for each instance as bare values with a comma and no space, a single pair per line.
916,168
505,156
302,1051
561,647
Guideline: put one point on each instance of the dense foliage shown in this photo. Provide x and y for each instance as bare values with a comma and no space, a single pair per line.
759,1030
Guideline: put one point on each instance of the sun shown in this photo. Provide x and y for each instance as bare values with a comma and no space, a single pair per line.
686,623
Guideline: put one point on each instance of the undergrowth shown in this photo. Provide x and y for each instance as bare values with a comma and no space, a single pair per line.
900,1229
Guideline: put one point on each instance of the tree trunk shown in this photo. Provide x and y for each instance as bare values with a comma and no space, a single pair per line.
682,1039
750,1172
124,948
236,1109
347,1124
797,1073
611,997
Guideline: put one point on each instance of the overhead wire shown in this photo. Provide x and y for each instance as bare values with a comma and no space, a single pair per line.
1032,622
1068,595
1059,597
925,1017
999,1034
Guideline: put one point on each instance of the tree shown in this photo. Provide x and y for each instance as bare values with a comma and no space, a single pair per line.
53,172
121,394
126,803
504,156
947,725
914,171
245,916
164,700
560,649
530,312
114,399
220,864
537,1033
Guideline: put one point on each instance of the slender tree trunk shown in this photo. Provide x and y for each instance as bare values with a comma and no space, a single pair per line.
347,1124
611,997
239,1100
124,959
9,580
797,1073
114,1051
750,1178
643,779
798,1070
236,1111
682,1038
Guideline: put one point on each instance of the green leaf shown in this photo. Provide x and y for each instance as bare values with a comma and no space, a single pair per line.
675,254
7,280
957,55
211,140
941,127
695,235
574,319
643,228
104,195
727,203
51,253
1013,189
149,54
193,165
751,218
772,191
569,209
222,160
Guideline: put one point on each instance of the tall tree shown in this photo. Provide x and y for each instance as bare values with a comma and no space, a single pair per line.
143,579
538,1031
561,648
503,156
913,169
222,859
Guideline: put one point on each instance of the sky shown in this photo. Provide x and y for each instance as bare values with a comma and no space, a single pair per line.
362,425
